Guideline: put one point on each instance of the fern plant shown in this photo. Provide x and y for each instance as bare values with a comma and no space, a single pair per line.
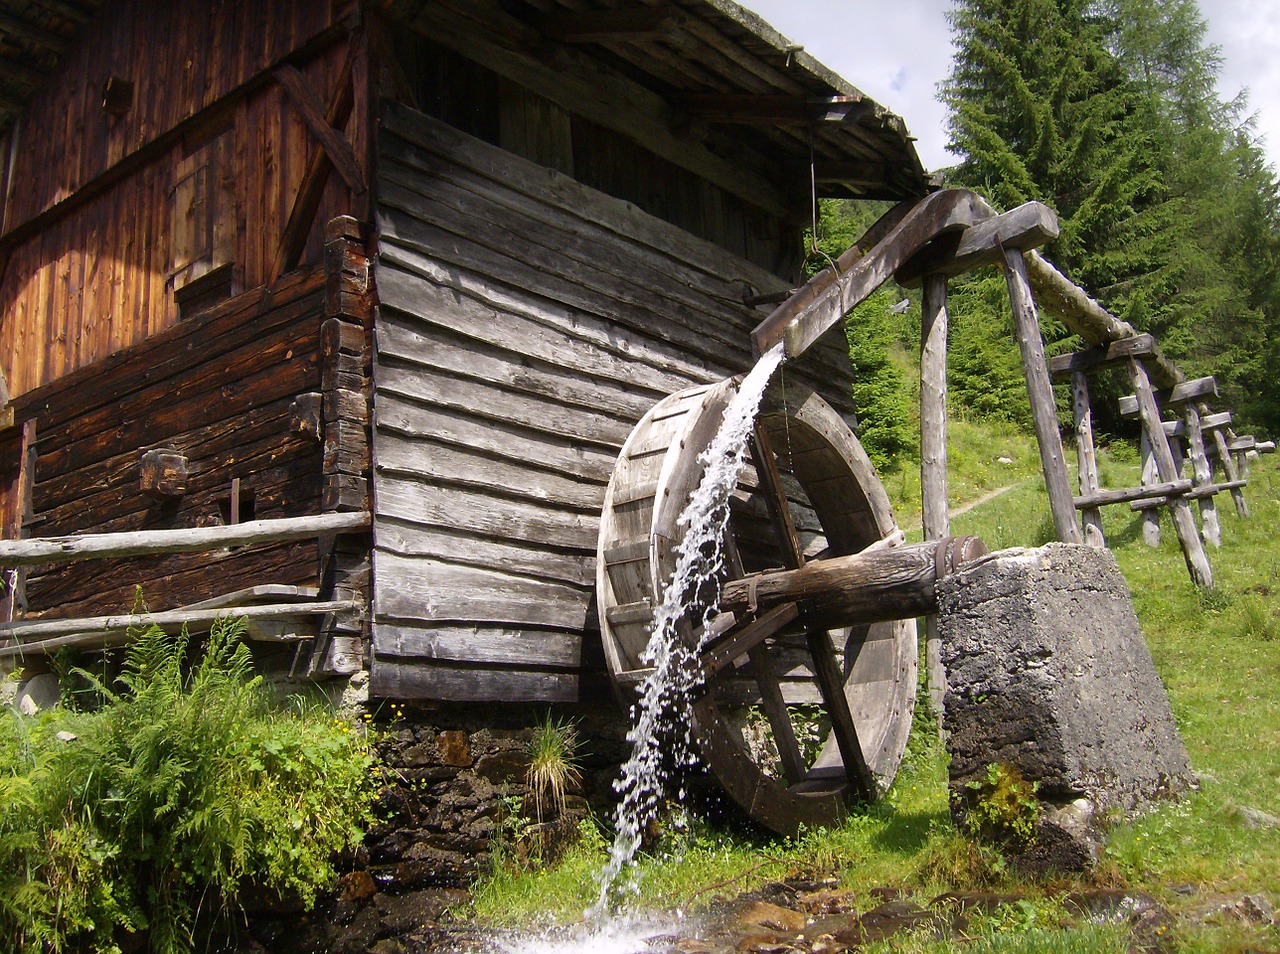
180,787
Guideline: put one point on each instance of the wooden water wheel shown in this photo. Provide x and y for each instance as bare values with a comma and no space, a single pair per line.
829,668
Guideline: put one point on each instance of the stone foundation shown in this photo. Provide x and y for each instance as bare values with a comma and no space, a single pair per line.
1048,673
456,785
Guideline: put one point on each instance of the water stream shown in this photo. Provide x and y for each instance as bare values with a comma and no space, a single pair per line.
667,691
666,694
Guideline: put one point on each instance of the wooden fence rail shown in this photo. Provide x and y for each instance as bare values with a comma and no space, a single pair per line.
99,546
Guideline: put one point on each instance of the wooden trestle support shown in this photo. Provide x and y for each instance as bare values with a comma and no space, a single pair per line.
820,593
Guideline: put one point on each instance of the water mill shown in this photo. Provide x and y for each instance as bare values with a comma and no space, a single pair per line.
401,330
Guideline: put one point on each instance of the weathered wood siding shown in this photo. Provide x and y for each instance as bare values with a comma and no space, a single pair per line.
219,389
501,111
526,322
105,215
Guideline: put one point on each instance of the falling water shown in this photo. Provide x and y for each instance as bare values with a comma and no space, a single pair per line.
666,692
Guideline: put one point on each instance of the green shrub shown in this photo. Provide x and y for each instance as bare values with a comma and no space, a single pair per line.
180,788
1001,807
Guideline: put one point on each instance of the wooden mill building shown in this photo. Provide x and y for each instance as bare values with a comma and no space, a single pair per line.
423,260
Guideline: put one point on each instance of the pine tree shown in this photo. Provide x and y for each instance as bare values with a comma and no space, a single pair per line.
1106,110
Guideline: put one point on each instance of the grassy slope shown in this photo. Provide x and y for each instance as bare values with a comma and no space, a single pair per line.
1219,655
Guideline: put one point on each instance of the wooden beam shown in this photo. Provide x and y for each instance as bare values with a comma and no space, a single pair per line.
1086,459
46,635
1060,296
852,173
770,109
1203,476
1029,226
1229,468
293,240
804,318
34,34
1167,469
97,546
1064,365
1103,498
582,84
1180,393
314,115
1195,493
865,587
22,73
1044,411
606,26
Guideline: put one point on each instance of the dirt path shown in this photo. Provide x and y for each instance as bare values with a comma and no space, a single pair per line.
992,495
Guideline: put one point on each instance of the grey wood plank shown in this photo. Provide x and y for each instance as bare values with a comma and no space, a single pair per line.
482,514
416,422
500,646
401,537
419,588
396,679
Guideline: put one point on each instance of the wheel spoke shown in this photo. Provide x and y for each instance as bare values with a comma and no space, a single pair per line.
827,673
740,640
775,495
775,708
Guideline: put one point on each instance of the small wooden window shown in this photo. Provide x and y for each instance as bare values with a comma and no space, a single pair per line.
204,224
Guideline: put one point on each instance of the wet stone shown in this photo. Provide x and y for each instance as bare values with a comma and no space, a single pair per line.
453,748
773,916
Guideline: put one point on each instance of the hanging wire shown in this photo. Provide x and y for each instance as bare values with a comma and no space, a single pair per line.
813,208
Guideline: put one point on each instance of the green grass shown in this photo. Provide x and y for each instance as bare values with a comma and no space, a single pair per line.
1219,656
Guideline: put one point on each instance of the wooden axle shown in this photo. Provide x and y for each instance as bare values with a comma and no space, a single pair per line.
867,587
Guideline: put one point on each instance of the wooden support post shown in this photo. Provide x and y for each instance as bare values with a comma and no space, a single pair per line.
1229,468
1179,509
1086,457
1202,476
345,338
1151,515
1040,390
933,454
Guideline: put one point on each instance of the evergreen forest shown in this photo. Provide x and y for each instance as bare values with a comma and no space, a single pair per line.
1107,111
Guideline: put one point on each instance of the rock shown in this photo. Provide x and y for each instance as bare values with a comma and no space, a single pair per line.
356,886
772,916
1256,818
827,944
37,693
503,767
764,944
887,920
1250,909
826,901
1066,839
452,748
1048,673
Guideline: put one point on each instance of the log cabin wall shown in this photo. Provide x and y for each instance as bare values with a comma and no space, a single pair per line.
526,322
186,183
222,390
477,100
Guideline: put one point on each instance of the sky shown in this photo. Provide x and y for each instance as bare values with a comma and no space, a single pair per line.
898,51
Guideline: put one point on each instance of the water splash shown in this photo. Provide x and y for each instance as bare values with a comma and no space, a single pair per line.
630,934
665,695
